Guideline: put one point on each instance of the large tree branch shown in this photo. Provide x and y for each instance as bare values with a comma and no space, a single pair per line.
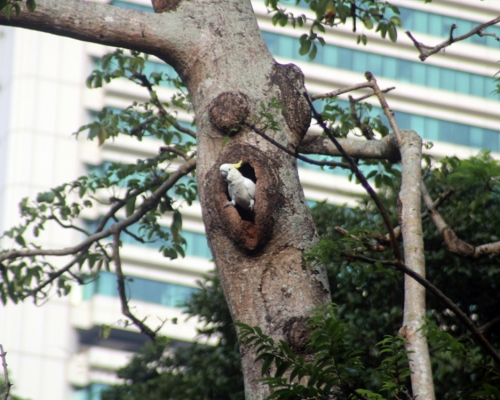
163,35
146,206
385,149
413,243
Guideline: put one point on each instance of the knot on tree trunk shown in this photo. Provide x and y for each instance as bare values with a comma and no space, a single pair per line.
250,231
289,80
165,5
296,332
228,111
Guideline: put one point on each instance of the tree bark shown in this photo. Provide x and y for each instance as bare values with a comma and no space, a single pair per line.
219,52
413,243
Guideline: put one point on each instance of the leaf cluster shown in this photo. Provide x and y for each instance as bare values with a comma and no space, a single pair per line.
328,13
15,5
331,367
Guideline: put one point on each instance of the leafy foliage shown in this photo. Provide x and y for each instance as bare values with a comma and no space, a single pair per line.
15,5
330,369
119,186
329,13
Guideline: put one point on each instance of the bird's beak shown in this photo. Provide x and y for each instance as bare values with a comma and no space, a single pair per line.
224,174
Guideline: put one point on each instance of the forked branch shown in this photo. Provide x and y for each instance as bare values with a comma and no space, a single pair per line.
427,51
454,243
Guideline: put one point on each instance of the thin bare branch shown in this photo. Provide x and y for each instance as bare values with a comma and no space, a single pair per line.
68,226
366,245
340,91
172,149
439,295
5,373
364,182
364,97
295,155
455,244
427,51
56,274
120,280
147,205
385,106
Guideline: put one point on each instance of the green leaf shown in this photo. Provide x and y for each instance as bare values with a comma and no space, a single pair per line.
367,21
8,9
314,51
31,5
393,33
305,46
3,3
20,240
130,206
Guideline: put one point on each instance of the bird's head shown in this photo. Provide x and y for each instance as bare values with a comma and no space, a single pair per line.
230,171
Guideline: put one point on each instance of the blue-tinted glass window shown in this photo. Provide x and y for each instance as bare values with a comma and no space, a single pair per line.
330,56
375,64
405,70
390,67
433,78
462,81
345,58
447,80
134,6
196,243
148,290
419,74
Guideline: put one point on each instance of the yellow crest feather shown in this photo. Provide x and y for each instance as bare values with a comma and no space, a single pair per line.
238,164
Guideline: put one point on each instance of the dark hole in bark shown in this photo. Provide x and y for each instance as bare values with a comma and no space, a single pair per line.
248,172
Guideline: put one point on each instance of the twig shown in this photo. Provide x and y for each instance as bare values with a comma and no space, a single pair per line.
367,246
364,97
120,280
364,182
295,155
132,235
385,107
340,91
456,245
5,373
440,296
365,130
427,51
147,205
54,275
174,150
135,130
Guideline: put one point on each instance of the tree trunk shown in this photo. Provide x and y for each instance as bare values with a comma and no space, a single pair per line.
218,50
258,256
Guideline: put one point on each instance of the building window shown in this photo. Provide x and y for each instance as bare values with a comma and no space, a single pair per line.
150,291
392,68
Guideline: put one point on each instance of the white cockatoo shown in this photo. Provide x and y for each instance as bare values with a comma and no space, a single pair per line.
241,189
